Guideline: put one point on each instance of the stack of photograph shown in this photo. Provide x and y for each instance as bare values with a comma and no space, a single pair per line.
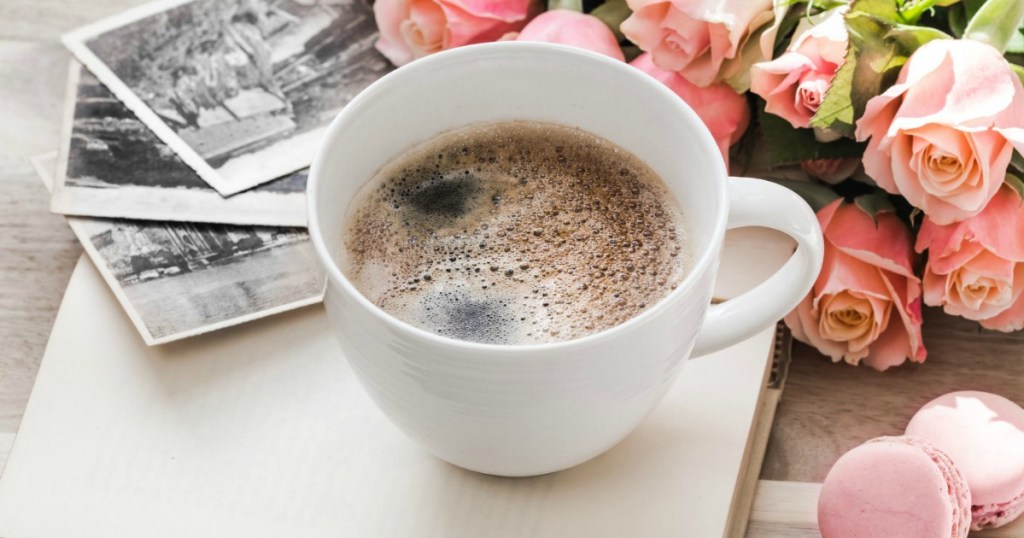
188,129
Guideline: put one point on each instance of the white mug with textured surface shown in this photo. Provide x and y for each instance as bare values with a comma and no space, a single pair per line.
520,410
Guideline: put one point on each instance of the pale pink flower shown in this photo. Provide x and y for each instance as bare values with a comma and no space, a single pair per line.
411,29
865,305
976,266
794,84
943,135
705,41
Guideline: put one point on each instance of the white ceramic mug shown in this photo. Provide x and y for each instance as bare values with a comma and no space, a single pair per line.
520,410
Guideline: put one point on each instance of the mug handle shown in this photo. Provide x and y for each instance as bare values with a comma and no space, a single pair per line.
756,202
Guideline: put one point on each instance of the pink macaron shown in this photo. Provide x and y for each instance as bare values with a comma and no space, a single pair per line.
984,434
896,487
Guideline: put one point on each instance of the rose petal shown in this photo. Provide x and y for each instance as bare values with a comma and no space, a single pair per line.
468,27
509,11
572,28
961,83
389,15
644,26
988,229
775,81
883,241
891,349
1011,319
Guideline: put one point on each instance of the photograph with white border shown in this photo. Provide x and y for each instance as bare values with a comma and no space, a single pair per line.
241,90
110,165
177,280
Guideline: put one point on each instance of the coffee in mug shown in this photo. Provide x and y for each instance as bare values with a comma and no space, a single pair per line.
531,408
516,232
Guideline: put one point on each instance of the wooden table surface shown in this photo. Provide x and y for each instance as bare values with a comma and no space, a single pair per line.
826,409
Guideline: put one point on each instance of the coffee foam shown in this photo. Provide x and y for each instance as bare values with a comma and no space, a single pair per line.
515,233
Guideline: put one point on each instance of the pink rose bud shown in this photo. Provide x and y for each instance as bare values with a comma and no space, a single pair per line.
794,84
573,28
943,135
411,29
866,303
702,40
976,266
831,171
725,112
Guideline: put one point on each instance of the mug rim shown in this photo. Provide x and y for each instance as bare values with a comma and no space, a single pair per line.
701,263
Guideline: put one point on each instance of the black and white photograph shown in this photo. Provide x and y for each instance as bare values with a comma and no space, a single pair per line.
241,90
177,280
112,166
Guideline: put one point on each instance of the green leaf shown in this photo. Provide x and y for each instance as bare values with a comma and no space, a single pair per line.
836,111
1019,71
914,214
1017,162
996,23
1016,184
612,13
912,10
1016,44
573,5
886,10
875,203
631,52
815,194
910,38
785,25
960,13
895,11
878,48
788,145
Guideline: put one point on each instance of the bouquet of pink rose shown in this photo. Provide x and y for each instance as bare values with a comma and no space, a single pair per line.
900,121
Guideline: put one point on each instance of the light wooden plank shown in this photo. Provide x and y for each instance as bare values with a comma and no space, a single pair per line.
789,509
48,19
38,249
827,409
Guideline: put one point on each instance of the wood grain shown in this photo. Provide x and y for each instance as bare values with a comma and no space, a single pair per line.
827,408
38,249
789,510
47,20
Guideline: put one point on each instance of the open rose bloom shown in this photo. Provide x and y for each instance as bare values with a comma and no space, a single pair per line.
411,29
943,135
976,266
705,41
865,305
794,84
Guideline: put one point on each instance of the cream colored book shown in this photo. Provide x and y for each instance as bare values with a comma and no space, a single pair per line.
262,431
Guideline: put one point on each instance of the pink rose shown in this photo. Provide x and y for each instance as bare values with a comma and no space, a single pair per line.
725,112
831,171
943,135
866,303
705,41
411,29
572,28
794,84
976,266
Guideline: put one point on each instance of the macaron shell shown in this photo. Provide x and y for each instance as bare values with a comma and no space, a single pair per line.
984,434
892,487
